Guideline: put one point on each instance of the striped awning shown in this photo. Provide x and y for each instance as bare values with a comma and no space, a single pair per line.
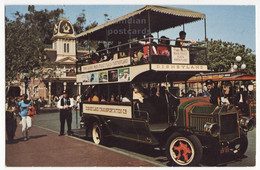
137,23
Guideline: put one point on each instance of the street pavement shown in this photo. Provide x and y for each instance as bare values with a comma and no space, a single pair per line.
46,148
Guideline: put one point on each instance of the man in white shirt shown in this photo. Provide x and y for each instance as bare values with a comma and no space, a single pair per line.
65,104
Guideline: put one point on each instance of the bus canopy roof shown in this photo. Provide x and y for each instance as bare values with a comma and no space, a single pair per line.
161,18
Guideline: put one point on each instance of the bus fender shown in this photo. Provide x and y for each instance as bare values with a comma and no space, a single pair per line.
169,131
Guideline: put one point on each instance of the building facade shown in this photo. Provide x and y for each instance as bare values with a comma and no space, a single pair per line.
63,52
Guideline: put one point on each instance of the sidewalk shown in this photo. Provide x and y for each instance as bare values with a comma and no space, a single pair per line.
46,148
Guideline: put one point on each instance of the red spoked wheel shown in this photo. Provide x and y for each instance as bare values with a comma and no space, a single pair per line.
184,150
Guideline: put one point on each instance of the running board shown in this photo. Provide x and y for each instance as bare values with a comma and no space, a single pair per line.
79,132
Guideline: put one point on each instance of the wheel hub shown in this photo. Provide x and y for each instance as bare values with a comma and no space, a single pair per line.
183,150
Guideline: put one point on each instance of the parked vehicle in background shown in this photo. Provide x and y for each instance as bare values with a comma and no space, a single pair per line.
238,86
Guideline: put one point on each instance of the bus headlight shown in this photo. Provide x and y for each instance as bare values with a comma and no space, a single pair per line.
212,129
246,123
82,124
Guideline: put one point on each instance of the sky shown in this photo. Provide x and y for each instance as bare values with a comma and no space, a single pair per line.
231,23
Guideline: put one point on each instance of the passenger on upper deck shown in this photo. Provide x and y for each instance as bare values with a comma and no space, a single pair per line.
102,53
99,55
94,58
120,51
137,52
112,51
163,48
146,47
124,49
101,46
180,41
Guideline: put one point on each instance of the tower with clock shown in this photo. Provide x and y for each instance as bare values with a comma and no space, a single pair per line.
64,40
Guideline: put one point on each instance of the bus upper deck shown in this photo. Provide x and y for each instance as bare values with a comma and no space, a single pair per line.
126,46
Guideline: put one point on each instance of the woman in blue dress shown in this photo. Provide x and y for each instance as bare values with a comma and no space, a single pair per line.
26,120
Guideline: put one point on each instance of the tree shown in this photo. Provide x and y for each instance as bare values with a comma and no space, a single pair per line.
222,54
26,38
80,26
80,22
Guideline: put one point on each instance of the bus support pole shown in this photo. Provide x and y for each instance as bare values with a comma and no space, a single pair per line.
205,32
205,29
149,39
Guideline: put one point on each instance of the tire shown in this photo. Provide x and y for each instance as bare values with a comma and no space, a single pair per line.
97,134
239,146
183,150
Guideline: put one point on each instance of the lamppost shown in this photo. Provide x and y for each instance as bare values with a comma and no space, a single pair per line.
238,65
76,104
26,81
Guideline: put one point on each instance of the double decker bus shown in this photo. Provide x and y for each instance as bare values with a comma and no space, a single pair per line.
128,92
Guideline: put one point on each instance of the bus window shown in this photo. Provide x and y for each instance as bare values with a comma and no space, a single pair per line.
86,93
103,93
113,96
125,93
93,98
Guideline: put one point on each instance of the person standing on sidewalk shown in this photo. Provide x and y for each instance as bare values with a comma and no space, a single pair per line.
26,120
11,123
65,104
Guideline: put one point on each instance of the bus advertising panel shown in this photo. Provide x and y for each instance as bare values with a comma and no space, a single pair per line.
108,110
180,55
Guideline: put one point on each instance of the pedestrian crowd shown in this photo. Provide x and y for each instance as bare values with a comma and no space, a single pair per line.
20,110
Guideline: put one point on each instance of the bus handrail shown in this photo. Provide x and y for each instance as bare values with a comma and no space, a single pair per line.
144,112
147,39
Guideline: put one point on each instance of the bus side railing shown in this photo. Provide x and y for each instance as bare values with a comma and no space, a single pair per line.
197,55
